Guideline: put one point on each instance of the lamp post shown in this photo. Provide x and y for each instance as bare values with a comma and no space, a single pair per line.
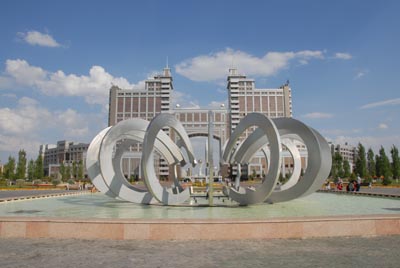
210,158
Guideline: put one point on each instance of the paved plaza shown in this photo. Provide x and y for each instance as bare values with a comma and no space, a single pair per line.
326,252
25,193
322,252
381,190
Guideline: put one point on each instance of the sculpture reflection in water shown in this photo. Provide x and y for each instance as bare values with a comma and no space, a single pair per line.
103,161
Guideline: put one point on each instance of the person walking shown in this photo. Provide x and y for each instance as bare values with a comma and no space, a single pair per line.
359,180
351,186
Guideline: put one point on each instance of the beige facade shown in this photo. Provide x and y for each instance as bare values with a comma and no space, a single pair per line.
65,152
245,98
347,151
145,103
155,98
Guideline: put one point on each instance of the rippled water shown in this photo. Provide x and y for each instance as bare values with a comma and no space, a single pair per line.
101,206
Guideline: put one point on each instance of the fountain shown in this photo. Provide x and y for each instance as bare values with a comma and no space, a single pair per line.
107,176
160,212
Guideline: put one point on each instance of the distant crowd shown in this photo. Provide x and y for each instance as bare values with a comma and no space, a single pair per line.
352,186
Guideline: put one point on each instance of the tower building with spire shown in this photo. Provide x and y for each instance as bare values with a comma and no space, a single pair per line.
244,98
144,103
155,98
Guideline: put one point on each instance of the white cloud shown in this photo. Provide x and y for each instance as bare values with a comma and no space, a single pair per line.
184,100
217,104
9,95
74,123
215,66
343,56
317,115
370,141
6,82
23,126
383,126
390,102
24,118
12,144
36,38
340,132
360,74
93,87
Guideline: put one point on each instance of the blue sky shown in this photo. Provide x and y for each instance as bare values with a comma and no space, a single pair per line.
59,58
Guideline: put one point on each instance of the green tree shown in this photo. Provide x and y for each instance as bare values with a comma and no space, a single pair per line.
39,169
68,172
378,166
9,168
383,165
21,166
63,172
371,167
395,162
74,170
337,166
31,169
346,168
80,169
361,161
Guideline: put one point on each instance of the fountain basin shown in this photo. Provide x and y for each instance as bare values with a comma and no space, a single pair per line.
97,216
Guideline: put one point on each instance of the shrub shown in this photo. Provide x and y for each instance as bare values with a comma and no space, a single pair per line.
386,181
37,182
56,182
46,179
20,182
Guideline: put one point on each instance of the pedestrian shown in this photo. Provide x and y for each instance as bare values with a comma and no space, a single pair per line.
351,186
328,185
359,180
340,186
355,186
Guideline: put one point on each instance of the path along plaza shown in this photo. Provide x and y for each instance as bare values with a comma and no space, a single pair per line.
363,252
324,252
4,194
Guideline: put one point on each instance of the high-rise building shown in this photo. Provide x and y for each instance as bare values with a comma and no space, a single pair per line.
155,98
244,98
66,152
347,151
145,103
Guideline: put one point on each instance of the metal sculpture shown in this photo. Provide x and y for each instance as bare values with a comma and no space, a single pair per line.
104,163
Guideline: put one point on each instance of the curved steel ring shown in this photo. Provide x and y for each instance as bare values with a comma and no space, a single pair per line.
246,196
319,160
160,193
105,171
246,151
